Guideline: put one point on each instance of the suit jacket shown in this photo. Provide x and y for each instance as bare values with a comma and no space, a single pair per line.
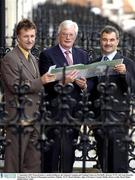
13,67
54,56
110,153
123,81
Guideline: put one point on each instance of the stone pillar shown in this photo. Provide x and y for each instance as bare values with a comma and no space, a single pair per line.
2,23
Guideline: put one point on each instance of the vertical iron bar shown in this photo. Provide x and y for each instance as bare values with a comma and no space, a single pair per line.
20,148
84,150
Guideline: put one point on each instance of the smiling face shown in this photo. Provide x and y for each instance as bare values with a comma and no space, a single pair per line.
26,38
67,37
109,42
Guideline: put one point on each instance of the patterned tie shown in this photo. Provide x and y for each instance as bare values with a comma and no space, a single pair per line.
31,64
69,60
106,58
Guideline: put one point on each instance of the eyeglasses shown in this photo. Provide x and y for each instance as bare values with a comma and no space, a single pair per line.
68,35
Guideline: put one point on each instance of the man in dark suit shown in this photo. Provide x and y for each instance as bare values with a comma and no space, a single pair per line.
16,66
112,157
57,55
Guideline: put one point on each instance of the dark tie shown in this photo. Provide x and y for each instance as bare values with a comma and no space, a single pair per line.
106,58
69,60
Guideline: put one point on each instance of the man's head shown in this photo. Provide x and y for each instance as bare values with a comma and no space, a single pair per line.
67,33
26,34
109,39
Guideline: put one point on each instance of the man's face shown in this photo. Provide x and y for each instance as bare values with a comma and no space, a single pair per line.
26,38
108,42
67,37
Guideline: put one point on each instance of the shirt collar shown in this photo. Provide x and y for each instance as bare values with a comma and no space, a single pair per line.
110,56
63,50
25,53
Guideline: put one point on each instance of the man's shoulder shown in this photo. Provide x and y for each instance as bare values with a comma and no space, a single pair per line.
79,49
124,57
121,55
11,53
10,57
128,61
48,52
48,49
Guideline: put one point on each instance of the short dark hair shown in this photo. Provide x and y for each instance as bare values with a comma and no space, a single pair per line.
109,29
25,24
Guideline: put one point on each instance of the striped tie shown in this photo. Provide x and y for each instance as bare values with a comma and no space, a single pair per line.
69,60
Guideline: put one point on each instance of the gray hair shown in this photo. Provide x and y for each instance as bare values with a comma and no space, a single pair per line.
110,29
66,24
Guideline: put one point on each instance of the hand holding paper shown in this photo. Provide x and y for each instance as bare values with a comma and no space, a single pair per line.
120,68
71,76
81,82
47,78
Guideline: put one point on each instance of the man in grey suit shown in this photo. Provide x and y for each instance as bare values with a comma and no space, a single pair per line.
21,64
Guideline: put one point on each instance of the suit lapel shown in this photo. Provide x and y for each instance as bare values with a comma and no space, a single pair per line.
75,57
60,58
117,56
25,63
36,69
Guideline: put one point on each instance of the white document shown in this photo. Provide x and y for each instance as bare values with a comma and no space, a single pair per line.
51,68
87,70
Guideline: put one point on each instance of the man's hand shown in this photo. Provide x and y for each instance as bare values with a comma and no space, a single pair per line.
71,76
81,82
120,68
47,78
